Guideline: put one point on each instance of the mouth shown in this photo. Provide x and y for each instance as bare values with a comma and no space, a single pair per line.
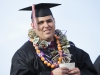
47,31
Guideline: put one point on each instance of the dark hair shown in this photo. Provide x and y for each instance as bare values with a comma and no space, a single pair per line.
40,16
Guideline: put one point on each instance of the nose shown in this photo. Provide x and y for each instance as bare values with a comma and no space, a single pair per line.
46,24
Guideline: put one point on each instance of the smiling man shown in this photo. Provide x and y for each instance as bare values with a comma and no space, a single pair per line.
45,28
48,47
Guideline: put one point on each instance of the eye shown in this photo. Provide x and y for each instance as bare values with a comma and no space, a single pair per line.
50,20
40,22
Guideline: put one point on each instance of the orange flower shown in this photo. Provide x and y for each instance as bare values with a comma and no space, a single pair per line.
59,45
48,64
60,58
59,48
45,62
38,51
52,66
42,58
59,62
58,42
36,47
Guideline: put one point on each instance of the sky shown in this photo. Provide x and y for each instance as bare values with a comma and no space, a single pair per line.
81,19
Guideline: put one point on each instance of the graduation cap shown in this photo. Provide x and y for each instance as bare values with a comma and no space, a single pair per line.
41,9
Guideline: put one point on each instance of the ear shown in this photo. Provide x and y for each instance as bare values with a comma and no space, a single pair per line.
54,21
32,25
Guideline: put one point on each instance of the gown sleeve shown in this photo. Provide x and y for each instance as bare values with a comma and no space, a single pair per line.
84,63
97,65
21,65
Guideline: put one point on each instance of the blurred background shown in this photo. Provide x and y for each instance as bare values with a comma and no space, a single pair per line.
81,19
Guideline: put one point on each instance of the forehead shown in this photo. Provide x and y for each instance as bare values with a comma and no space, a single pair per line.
44,18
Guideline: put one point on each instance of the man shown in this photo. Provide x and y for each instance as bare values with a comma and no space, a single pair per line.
97,64
48,48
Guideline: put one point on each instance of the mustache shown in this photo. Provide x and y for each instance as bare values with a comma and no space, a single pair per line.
47,29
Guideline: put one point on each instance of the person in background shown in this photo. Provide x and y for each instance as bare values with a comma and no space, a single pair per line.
97,64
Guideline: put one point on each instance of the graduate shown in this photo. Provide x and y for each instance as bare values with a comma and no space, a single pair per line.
97,64
48,48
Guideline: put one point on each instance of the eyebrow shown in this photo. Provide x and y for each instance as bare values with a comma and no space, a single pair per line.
46,20
49,20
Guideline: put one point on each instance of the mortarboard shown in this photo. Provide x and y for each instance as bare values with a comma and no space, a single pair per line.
41,9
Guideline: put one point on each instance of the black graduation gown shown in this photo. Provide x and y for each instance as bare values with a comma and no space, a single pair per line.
97,64
26,62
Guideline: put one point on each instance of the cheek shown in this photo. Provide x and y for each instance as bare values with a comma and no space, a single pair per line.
52,26
40,28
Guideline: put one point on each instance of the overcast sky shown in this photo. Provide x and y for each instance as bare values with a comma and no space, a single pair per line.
81,19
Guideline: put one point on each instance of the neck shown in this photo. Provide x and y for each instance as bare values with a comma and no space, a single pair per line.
50,39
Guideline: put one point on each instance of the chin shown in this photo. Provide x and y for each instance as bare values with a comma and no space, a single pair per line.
48,36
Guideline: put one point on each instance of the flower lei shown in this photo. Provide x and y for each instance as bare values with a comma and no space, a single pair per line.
63,55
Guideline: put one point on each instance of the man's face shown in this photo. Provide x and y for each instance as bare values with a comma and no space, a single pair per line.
45,27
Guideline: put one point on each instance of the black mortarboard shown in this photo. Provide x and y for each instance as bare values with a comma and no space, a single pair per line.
41,9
